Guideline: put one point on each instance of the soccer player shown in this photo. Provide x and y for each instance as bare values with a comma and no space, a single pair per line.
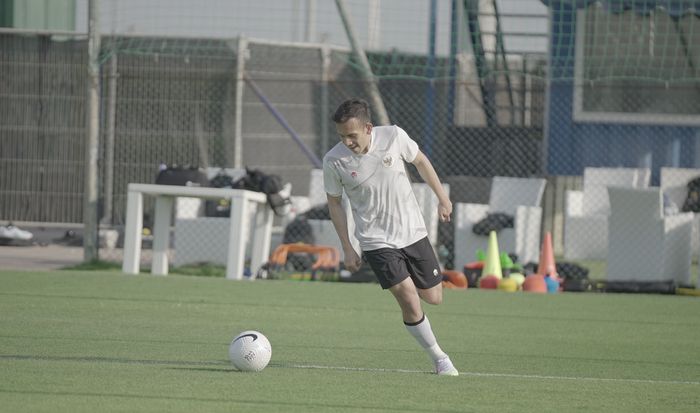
368,165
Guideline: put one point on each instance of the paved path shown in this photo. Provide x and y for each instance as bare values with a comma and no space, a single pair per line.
37,258
51,249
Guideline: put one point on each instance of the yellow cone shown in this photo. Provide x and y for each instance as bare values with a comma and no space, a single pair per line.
492,266
508,284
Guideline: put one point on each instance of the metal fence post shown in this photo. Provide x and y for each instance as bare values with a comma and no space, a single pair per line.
90,236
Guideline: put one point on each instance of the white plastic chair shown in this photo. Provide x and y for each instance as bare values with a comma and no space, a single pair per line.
644,245
586,212
519,197
323,229
674,184
428,203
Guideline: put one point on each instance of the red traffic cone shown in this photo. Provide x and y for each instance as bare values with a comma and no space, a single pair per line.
547,266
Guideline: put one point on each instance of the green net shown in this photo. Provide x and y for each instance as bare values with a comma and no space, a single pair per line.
629,45
603,41
514,88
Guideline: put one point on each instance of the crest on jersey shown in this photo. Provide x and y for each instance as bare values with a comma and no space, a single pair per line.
388,161
353,174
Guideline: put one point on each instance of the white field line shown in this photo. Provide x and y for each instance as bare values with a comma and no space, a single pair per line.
504,375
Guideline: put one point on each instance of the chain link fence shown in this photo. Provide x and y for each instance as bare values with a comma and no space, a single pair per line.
555,128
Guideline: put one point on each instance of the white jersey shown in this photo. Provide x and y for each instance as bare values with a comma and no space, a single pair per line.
384,208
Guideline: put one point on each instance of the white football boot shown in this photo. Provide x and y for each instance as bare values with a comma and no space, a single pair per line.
444,367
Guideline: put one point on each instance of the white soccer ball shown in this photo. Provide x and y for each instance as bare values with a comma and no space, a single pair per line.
250,351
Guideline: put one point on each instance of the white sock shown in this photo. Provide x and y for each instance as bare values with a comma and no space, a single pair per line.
423,334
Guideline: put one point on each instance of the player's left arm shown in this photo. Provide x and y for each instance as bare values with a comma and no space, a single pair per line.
427,172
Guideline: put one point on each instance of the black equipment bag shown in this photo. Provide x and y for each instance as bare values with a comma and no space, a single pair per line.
493,222
177,175
692,202
269,184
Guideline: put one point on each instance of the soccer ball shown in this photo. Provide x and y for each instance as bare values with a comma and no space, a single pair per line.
250,351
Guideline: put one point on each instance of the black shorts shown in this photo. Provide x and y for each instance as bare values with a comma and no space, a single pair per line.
418,261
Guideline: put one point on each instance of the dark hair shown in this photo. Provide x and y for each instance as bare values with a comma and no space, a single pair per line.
353,108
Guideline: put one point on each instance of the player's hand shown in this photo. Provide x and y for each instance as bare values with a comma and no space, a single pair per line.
352,260
444,211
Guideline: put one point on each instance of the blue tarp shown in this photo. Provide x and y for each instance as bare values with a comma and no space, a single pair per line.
674,8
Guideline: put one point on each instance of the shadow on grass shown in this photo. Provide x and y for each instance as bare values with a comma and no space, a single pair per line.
198,270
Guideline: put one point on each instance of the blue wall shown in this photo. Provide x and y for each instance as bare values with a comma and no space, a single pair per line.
571,146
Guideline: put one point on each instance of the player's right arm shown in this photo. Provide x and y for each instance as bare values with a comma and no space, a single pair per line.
340,222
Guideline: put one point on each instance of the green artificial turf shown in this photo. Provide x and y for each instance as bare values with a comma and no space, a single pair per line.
73,341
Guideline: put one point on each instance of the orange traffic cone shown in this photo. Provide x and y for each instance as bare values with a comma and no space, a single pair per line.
547,266
535,283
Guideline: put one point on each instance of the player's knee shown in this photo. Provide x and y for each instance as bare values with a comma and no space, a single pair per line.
432,296
435,300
